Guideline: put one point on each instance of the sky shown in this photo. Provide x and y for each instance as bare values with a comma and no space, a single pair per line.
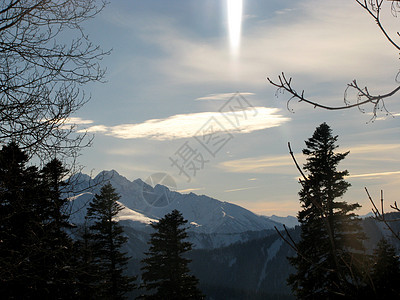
186,94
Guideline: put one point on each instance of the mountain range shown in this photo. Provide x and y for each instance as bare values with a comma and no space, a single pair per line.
229,241
237,254
211,223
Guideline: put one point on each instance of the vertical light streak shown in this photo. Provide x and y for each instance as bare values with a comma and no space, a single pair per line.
235,8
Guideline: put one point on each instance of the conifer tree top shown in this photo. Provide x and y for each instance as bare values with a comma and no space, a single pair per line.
331,243
166,274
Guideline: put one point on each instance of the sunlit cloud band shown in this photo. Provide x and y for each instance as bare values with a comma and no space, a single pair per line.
189,125
377,174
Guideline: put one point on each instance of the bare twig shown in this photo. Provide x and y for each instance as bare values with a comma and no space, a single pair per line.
45,60
395,207
363,95
374,8
288,241
380,214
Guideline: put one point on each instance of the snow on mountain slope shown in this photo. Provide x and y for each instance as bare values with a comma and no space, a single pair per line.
145,203
79,204
131,215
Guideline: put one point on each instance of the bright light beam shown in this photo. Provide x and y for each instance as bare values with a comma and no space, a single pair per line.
235,8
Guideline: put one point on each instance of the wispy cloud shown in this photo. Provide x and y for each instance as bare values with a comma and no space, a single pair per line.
185,191
278,164
280,208
189,125
263,164
96,129
373,148
223,96
241,189
284,11
131,151
329,50
78,121
377,174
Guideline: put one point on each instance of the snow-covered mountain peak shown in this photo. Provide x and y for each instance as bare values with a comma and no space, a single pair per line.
210,215
139,181
112,175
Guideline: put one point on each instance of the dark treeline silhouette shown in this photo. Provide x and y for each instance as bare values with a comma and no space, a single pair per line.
41,259
38,256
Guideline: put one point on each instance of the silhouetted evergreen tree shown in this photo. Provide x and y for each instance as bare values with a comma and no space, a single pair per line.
89,275
166,273
20,227
58,260
386,271
35,250
52,176
106,239
330,253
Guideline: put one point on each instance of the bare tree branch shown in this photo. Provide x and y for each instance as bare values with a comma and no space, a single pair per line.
380,214
363,96
374,8
45,59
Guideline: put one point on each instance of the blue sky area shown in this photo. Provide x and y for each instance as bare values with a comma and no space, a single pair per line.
174,67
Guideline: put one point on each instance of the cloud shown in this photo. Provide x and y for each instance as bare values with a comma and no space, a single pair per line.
284,11
73,122
374,156
185,191
377,174
364,155
123,151
223,96
196,124
78,121
373,148
280,207
241,189
331,41
95,129
262,164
